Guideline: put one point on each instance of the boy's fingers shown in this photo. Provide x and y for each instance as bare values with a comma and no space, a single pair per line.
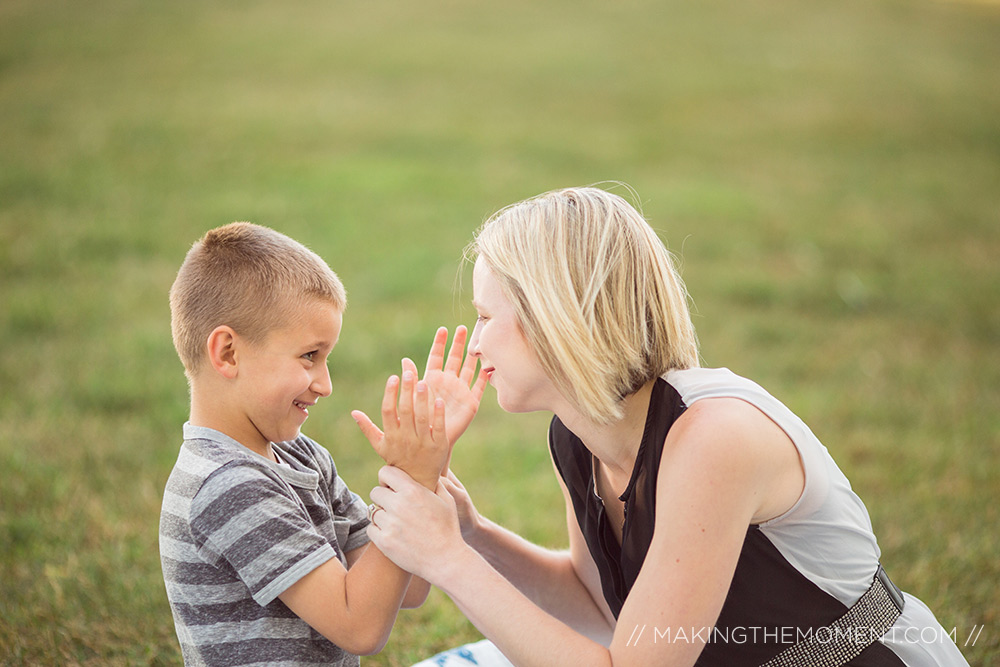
408,365
389,418
440,435
438,427
406,399
368,427
420,416
435,358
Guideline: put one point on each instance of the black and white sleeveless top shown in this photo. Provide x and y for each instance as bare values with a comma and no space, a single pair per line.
796,573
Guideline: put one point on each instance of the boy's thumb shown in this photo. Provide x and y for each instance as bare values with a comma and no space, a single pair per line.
367,426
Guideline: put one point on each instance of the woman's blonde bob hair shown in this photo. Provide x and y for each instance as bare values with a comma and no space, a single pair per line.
596,292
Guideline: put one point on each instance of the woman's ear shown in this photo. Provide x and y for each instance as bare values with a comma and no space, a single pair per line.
222,351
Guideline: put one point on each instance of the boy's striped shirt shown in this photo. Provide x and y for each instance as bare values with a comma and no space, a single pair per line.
236,530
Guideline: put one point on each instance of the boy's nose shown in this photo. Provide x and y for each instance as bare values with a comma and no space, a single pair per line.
322,384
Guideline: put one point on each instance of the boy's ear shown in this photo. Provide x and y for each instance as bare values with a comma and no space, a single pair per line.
222,351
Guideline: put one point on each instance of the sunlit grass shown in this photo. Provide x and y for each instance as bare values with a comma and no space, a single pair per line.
828,175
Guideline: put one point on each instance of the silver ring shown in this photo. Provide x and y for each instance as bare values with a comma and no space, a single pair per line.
371,511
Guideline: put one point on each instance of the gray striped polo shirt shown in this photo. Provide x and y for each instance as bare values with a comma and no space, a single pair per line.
236,530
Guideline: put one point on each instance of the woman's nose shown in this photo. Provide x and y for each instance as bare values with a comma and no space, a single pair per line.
474,341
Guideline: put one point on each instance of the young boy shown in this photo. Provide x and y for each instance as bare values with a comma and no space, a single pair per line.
264,549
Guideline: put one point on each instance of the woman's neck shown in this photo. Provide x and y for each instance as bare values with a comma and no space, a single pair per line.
616,444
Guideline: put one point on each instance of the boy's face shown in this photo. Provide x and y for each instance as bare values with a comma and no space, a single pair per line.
279,379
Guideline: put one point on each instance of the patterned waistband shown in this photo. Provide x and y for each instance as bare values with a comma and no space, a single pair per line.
843,640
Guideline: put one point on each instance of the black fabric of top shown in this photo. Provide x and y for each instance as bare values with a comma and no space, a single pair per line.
770,605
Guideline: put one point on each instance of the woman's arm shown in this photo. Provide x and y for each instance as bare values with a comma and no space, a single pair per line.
486,597
566,584
720,466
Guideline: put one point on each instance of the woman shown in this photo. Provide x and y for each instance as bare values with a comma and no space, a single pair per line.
707,524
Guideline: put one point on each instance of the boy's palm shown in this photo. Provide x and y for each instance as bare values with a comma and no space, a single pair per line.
414,437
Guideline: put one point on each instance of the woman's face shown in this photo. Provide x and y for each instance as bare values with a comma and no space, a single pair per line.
500,345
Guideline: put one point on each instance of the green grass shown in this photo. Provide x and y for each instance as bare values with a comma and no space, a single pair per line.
830,174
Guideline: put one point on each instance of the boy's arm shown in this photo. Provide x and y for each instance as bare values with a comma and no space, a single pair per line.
416,592
355,609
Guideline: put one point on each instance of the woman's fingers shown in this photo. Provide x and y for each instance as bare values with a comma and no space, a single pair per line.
469,363
382,496
458,363
454,363
435,358
480,387
392,478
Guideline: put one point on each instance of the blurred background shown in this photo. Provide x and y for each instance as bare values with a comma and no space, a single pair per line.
828,173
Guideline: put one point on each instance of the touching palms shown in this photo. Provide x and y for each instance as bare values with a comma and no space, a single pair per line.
452,380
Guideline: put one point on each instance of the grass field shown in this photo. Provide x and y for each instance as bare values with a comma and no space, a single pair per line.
829,172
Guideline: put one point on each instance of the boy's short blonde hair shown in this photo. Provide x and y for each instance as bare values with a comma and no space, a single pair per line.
248,277
596,292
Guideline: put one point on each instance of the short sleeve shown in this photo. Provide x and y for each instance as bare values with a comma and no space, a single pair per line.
350,513
246,517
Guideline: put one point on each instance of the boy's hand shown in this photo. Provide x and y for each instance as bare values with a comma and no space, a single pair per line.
455,380
414,439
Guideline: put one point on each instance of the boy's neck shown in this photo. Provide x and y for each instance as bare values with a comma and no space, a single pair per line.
210,411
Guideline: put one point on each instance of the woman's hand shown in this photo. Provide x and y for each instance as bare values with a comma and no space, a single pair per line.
455,380
414,438
416,528
468,517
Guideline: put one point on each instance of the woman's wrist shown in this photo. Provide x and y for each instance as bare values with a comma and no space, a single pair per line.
478,532
451,570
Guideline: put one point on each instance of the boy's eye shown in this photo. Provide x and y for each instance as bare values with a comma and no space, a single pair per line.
308,356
